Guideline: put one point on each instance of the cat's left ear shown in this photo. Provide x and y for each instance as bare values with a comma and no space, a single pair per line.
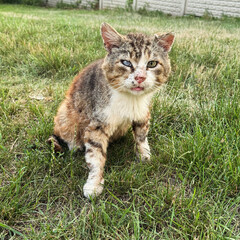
111,38
165,41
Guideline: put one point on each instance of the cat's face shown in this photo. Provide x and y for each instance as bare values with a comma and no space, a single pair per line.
135,63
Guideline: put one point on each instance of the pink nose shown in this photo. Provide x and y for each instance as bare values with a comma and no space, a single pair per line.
140,79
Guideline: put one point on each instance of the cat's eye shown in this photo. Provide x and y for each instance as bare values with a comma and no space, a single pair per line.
126,63
152,64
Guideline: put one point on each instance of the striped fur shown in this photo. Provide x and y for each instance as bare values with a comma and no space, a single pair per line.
108,97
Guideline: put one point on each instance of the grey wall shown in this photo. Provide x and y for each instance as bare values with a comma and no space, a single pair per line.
181,7
217,7
84,3
175,7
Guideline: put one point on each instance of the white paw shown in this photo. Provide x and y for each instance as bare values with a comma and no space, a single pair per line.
91,190
144,157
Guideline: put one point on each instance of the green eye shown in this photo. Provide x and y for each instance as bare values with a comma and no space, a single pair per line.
152,64
126,63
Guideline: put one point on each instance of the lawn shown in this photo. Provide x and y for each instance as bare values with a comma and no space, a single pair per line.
191,188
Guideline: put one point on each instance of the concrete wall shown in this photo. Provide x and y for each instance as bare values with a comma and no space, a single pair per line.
112,3
216,7
175,7
84,3
182,7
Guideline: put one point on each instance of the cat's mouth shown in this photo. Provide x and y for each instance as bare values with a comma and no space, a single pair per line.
137,89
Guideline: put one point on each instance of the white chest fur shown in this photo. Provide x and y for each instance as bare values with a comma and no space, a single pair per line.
125,108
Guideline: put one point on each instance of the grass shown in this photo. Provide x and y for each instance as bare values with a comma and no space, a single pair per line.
190,190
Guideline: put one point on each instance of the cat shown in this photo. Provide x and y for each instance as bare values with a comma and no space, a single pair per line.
111,95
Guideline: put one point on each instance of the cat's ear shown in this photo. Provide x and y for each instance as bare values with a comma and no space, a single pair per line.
111,38
165,41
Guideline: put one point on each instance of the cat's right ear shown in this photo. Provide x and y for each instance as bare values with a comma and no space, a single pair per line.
111,38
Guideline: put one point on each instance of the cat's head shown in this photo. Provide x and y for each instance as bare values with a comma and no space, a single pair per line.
136,63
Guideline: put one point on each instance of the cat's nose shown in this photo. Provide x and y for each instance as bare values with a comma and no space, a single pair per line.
140,74
140,79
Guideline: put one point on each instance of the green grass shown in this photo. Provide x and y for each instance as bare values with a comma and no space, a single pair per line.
190,190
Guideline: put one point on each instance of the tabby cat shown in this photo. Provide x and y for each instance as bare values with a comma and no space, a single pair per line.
109,96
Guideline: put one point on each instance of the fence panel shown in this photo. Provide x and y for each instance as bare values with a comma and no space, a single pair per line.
217,8
174,7
112,3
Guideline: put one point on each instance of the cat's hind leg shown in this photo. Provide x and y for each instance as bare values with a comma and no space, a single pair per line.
57,143
68,128
96,142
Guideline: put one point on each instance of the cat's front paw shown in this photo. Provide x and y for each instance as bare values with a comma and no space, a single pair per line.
143,157
91,190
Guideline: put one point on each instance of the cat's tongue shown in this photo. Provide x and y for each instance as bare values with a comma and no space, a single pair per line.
138,89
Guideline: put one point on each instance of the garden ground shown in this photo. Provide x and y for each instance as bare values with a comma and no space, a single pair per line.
190,190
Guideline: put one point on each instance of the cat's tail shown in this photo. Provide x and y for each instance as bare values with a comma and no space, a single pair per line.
57,142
